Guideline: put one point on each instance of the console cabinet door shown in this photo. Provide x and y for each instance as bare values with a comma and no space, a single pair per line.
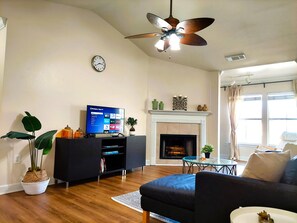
77,159
135,157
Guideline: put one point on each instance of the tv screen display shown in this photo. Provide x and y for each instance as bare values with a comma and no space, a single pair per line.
104,120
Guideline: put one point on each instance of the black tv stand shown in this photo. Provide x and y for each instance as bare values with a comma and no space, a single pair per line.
79,159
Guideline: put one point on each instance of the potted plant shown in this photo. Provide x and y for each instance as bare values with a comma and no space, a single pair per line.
35,180
131,122
207,149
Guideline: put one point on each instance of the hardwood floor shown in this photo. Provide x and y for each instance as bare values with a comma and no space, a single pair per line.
84,202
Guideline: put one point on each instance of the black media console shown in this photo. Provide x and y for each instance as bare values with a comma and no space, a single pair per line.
79,159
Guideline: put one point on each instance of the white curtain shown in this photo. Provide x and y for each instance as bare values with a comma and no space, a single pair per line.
233,99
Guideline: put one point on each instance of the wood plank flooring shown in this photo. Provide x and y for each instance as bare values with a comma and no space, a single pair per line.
82,202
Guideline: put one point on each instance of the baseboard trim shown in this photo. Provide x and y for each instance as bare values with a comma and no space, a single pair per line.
6,189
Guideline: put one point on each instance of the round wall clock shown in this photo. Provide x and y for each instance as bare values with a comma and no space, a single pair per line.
98,63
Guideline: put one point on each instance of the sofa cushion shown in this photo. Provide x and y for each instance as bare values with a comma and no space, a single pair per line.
292,148
266,166
290,173
176,189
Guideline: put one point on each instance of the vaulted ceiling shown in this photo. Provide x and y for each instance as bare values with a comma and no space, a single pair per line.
264,30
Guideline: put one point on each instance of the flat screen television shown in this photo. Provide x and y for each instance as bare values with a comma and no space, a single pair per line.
104,120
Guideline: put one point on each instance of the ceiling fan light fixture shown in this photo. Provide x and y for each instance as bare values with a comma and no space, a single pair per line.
160,44
174,41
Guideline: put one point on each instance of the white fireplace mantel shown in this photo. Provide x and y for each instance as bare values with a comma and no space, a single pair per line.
157,116
179,112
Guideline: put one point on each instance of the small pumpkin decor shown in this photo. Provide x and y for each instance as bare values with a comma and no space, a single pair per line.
131,122
35,180
207,149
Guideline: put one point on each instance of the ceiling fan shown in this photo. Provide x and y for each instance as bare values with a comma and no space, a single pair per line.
175,32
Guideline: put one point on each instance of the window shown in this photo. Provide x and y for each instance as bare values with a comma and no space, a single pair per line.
263,118
249,130
282,116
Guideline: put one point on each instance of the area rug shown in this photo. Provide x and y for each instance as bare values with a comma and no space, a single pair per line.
132,200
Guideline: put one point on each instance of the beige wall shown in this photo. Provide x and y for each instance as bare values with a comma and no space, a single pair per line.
167,79
2,59
48,72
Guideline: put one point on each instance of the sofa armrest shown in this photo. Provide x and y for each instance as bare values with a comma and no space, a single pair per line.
217,195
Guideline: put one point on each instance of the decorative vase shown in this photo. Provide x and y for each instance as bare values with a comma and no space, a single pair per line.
155,104
207,155
35,188
199,108
204,107
161,105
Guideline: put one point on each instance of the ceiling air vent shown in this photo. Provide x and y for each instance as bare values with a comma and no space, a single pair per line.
235,57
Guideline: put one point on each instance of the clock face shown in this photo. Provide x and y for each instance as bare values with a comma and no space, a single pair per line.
98,63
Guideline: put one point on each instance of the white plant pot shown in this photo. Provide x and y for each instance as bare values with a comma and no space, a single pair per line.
35,188
132,133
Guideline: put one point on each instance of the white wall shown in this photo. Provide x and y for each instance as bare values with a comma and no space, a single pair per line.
225,129
48,73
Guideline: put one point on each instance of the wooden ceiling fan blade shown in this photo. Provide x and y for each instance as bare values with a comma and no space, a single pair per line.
193,39
144,35
194,25
158,22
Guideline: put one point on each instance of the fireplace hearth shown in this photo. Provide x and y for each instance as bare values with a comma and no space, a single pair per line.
177,146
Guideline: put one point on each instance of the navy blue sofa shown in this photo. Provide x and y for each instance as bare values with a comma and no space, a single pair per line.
209,197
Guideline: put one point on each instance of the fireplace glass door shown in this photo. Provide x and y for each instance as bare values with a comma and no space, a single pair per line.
177,146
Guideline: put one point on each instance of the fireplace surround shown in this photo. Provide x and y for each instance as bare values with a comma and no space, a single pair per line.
177,123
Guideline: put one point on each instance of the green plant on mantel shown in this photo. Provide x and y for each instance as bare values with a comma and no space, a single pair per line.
42,143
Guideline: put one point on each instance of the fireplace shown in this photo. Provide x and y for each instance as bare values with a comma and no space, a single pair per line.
177,146
175,123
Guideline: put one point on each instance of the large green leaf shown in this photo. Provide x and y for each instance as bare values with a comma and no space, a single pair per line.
31,123
44,141
18,135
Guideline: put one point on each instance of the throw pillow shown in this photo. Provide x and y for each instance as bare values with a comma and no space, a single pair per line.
266,166
290,173
292,148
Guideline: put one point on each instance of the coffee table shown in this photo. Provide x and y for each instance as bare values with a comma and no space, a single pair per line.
249,214
214,164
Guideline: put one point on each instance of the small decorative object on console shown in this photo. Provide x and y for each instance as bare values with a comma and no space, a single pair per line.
78,133
180,103
67,132
131,121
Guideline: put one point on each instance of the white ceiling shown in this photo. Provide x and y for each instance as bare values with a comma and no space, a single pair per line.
264,30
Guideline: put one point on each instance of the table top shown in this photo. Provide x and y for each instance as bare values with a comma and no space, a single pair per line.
209,161
250,215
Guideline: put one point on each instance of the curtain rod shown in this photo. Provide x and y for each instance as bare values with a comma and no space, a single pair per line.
264,83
